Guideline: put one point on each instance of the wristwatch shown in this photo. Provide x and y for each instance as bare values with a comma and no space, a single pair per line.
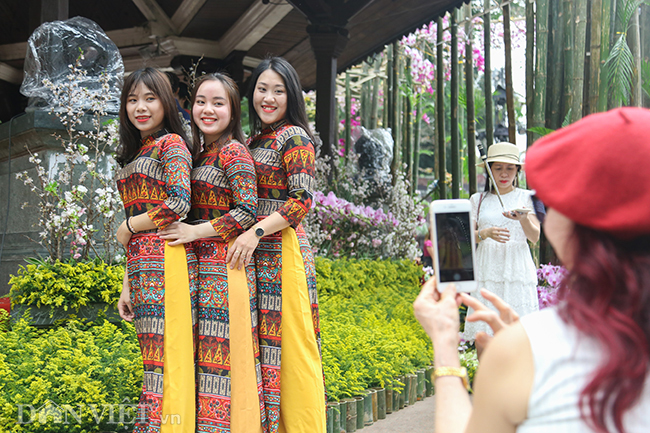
453,371
259,232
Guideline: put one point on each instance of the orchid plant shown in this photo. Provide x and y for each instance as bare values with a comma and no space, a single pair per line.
549,278
76,192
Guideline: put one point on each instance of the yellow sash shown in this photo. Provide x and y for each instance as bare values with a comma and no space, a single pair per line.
178,406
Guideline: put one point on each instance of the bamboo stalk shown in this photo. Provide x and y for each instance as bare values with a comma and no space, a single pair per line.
635,46
440,111
554,87
539,107
530,68
579,59
348,115
395,114
365,98
604,52
489,110
387,88
568,56
469,97
510,98
455,157
595,56
374,107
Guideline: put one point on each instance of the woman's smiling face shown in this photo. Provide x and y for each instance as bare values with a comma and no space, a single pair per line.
144,109
270,98
211,110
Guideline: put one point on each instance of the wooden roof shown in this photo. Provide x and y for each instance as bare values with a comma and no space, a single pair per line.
160,32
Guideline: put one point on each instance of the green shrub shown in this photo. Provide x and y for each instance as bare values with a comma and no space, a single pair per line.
68,285
369,333
84,369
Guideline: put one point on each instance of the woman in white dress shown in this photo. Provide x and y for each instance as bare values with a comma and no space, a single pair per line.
504,265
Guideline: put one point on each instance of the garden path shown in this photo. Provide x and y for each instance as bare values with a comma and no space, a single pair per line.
417,418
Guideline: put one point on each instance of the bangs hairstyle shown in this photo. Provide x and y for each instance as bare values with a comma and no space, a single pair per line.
296,113
130,137
234,127
488,181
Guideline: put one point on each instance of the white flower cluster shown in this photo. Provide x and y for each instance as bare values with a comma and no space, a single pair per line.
68,214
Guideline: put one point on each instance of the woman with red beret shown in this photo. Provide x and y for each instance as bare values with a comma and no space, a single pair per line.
584,365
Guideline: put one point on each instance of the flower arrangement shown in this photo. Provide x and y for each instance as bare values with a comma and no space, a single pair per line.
549,278
76,196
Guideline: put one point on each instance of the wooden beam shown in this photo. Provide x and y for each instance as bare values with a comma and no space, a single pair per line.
198,47
154,13
185,13
10,74
15,51
253,25
131,37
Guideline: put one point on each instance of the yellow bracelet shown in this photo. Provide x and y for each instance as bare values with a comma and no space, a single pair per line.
453,371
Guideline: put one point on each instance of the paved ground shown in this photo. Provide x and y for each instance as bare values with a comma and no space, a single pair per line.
417,418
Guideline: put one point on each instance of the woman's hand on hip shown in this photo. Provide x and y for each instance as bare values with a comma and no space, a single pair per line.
123,234
240,253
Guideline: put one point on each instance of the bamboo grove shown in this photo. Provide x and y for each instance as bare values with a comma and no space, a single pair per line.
581,57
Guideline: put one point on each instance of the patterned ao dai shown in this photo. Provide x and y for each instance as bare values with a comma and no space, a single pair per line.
289,328
157,182
224,192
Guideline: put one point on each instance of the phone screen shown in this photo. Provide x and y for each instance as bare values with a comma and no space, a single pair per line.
454,246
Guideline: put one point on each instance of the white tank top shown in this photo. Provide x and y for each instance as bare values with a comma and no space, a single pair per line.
564,362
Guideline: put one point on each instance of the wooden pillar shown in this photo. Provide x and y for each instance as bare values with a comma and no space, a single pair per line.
328,43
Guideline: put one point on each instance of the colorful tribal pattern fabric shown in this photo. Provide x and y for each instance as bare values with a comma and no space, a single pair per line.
284,161
224,192
157,182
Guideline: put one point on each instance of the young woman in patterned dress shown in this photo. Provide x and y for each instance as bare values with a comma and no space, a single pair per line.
224,205
154,184
283,150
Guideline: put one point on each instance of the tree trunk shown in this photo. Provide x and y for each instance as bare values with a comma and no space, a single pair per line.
579,59
440,109
530,68
469,97
510,98
455,148
554,86
539,108
489,110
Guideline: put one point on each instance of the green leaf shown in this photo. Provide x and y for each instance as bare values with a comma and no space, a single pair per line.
619,71
540,130
567,119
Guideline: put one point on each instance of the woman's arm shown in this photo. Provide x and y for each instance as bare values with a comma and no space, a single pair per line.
298,161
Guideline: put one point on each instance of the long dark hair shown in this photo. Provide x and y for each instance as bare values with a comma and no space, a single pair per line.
607,295
130,137
234,127
488,181
296,112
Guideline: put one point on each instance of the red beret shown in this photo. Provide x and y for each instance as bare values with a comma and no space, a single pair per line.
595,171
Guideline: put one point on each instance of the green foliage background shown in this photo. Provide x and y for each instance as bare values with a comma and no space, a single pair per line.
369,336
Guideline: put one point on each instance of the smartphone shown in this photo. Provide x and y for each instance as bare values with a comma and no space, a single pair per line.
522,210
452,233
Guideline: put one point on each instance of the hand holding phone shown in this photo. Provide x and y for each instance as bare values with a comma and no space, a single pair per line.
452,233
